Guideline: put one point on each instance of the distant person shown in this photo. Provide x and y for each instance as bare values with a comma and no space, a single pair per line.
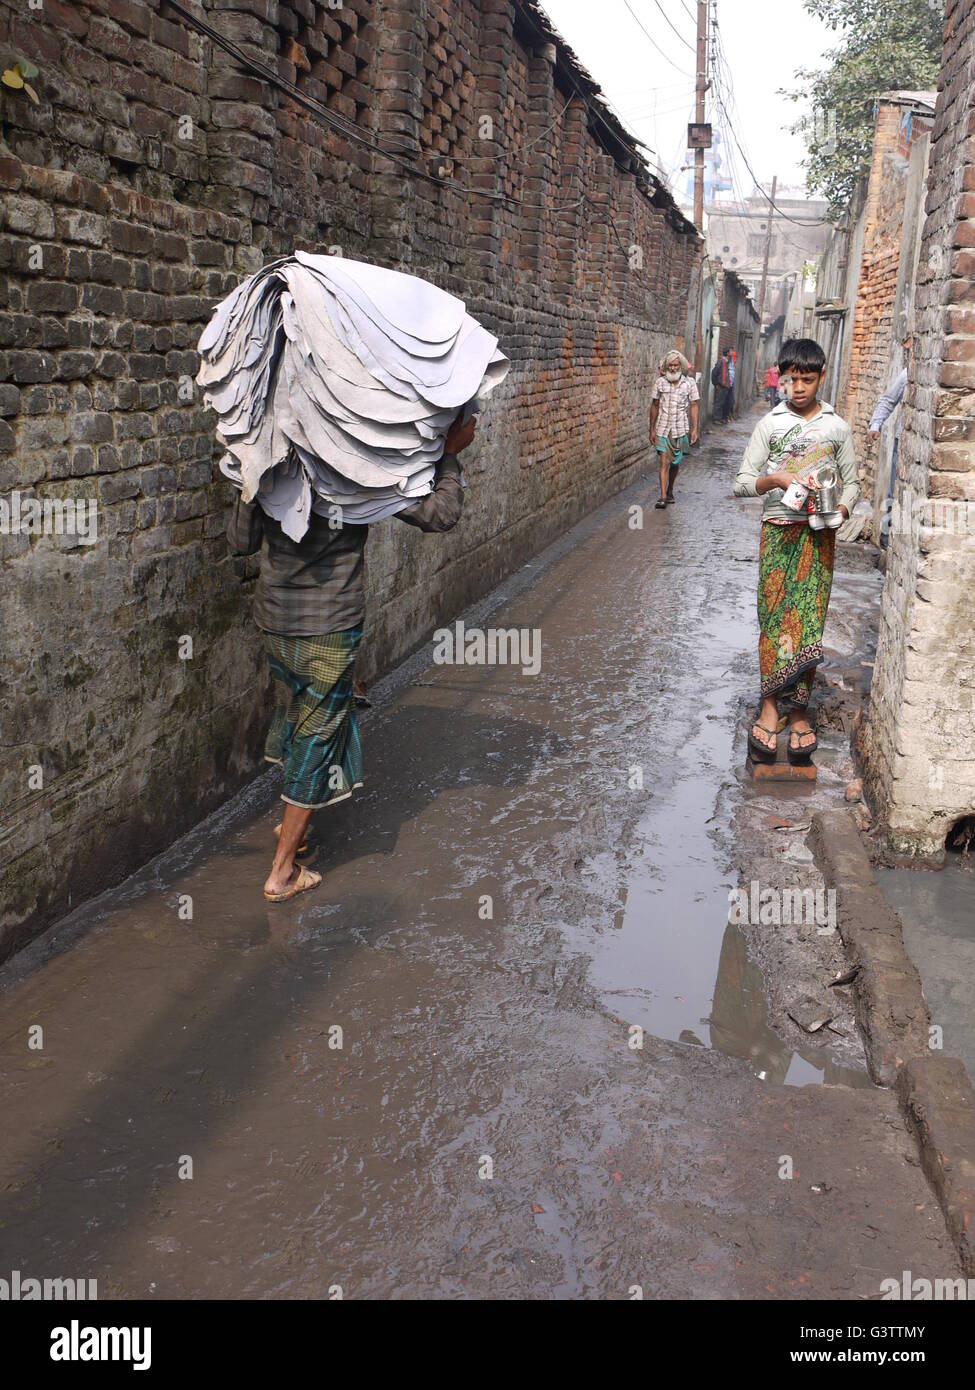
772,385
721,381
674,416
795,564
882,411
732,371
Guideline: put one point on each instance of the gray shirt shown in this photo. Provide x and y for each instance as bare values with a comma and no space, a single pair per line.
783,441
889,402
316,585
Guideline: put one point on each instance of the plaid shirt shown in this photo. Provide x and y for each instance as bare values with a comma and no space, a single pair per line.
316,585
675,399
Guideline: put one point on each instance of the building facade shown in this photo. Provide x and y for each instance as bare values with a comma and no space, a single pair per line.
173,150
920,739
737,233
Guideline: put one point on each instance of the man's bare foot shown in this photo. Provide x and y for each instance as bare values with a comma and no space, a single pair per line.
300,881
278,881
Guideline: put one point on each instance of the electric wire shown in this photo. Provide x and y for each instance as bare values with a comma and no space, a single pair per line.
723,65
654,42
660,7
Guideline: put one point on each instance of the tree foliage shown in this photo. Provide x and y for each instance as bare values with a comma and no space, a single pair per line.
885,45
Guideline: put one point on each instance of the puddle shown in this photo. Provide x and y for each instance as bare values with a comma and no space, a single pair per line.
937,910
687,972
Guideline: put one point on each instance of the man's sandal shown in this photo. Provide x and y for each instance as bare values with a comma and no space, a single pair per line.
307,878
804,752
661,504
306,847
671,499
761,752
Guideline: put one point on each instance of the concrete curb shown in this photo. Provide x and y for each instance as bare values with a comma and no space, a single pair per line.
935,1093
893,1016
937,1097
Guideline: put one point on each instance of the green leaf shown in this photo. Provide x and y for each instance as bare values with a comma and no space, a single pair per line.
883,45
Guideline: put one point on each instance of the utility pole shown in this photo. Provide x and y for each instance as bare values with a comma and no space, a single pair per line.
701,87
761,293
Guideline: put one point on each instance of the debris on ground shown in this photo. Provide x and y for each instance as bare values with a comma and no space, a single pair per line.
810,1015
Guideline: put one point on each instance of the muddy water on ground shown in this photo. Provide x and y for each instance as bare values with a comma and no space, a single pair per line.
501,904
938,914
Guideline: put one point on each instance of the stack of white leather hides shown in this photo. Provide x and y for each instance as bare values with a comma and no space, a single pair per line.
335,383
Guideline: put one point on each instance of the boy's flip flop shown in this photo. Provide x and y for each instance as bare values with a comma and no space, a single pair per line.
307,878
802,755
760,751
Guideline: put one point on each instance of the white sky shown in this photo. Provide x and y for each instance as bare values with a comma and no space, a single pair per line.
764,44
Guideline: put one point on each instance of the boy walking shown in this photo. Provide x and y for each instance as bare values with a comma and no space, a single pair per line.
795,568
673,418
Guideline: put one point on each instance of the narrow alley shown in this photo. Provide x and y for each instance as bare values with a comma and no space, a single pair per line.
487,676
426,1079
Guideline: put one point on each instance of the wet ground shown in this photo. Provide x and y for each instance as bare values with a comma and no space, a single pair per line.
425,1079
938,915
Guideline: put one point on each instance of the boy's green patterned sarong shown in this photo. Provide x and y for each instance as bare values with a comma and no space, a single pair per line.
795,576
313,733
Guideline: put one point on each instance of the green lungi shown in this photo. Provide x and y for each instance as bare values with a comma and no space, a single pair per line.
795,576
313,733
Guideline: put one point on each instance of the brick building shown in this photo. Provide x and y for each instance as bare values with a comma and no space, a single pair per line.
737,233
884,271
920,741
173,148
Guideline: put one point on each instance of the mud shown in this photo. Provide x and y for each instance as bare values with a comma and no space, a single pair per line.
537,866
937,911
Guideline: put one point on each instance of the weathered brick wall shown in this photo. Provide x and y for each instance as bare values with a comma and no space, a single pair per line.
920,742
154,172
872,337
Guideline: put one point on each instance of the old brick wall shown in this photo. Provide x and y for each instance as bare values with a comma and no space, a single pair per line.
872,335
154,172
920,743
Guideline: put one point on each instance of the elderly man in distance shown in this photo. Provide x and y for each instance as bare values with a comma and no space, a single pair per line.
673,418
